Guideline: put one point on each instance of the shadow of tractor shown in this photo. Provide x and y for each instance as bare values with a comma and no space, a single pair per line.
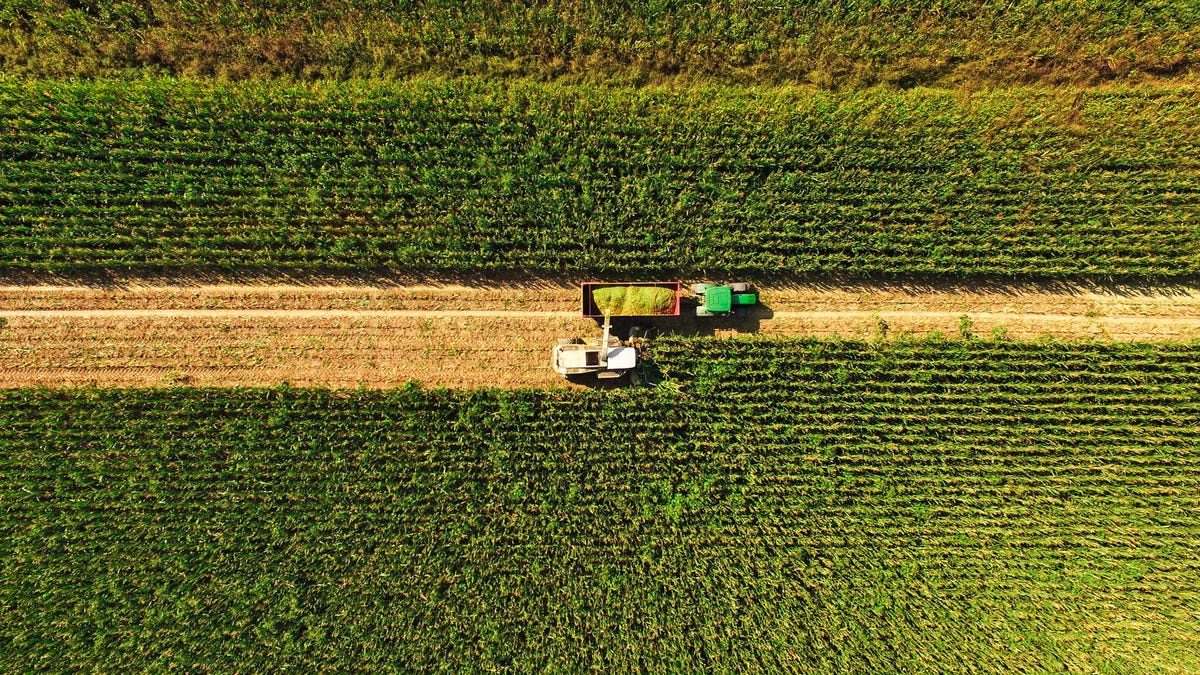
747,321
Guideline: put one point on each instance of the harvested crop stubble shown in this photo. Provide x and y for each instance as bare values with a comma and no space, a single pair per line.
634,300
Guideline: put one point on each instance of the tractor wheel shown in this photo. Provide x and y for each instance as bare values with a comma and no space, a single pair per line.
740,288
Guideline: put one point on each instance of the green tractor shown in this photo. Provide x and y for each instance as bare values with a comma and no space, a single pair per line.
730,299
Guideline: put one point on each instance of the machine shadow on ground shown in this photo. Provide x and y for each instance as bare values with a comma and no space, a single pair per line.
687,324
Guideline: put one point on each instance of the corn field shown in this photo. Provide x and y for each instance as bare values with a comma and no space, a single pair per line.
801,506
465,175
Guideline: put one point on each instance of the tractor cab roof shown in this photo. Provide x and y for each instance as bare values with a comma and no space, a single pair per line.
718,299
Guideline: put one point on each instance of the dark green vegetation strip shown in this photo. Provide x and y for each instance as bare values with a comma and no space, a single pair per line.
802,507
463,175
824,42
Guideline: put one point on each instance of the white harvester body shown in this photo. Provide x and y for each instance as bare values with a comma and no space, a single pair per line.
606,357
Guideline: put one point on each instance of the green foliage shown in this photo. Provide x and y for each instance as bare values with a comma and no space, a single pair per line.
881,329
966,326
634,300
826,43
807,506
469,175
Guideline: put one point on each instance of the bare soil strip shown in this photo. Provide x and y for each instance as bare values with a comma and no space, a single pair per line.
473,335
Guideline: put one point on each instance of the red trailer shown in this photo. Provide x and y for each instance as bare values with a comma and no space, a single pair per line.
591,311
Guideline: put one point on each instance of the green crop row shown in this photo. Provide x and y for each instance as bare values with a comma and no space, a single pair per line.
467,175
824,42
809,506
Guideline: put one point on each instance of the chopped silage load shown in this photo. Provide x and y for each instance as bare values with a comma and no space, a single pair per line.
634,300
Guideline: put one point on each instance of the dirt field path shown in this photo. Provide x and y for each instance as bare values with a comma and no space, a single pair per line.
471,335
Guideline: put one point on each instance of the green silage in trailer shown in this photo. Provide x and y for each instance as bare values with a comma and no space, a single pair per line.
809,506
634,300
474,176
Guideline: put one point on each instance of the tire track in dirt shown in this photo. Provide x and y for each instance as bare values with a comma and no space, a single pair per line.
486,335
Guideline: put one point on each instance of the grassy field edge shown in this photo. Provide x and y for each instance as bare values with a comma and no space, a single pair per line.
830,44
